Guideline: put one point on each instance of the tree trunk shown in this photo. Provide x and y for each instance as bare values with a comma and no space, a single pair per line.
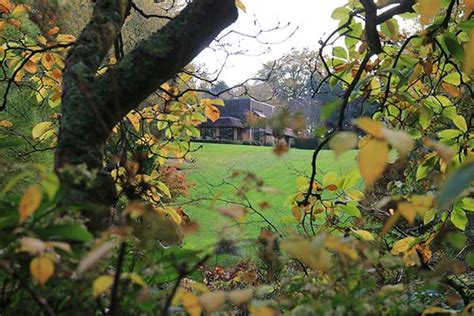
92,105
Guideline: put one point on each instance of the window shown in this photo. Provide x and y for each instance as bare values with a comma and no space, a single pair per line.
226,133
208,132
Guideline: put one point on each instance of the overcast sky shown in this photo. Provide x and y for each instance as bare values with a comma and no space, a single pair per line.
311,17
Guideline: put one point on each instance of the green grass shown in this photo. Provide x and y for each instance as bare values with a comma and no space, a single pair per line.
215,162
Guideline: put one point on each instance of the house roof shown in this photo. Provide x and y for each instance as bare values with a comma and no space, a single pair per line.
224,121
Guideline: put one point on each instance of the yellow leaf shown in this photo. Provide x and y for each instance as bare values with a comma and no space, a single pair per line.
428,10
134,119
191,304
313,253
65,38
19,10
218,102
363,234
343,141
261,311
40,130
134,277
47,60
408,211
173,214
41,269
239,297
338,245
5,123
372,160
30,201
402,245
370,126
102,284
438,310
400,140
240,5
213,301
42,40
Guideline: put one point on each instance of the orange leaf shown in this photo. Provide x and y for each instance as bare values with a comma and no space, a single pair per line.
53,31
6,123
16,23
30,201
47,60
468,7
31,67
212,112
42,269
451,90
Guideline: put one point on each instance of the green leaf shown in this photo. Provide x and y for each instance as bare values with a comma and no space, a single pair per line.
350,210
76,232
460,123
454,47
340,13
449,134
164,188
421,172
459,218
330,108
429,216
8,216
8,143
457,240
50,183
339,52
460,180
470,259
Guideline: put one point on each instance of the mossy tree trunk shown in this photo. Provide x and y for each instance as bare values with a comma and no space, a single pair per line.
92,105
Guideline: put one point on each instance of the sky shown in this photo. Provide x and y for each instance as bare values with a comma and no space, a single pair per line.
310,18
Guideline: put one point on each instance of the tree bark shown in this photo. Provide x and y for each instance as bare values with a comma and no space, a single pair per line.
92,105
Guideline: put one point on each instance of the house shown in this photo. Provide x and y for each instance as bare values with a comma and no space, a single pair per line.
232,123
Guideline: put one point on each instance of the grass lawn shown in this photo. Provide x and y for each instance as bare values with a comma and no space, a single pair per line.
215,162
